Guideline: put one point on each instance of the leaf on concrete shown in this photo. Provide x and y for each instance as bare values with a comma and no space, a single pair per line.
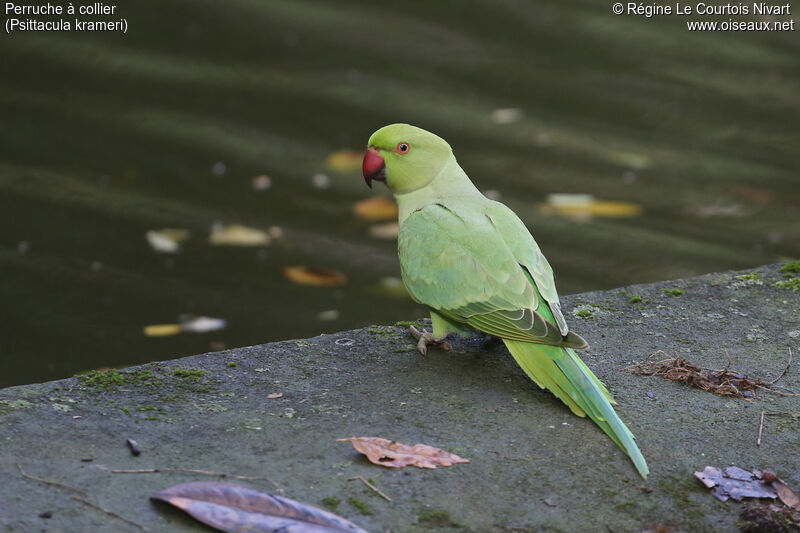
786,495
396,455
318,277
233,508
735,483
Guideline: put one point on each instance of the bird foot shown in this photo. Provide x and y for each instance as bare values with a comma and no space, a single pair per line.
425,338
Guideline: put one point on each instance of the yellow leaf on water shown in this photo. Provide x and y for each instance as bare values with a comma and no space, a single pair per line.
584,207
376,208
162,330
238,235
317,277
344,160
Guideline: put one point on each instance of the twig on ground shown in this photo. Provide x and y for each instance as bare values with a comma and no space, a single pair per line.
50,482
81,497
109,512
784,370
371,486
194,471
760,428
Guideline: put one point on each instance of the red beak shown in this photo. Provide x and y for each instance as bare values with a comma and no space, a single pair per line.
374,167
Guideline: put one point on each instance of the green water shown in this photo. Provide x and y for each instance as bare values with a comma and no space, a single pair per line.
104,137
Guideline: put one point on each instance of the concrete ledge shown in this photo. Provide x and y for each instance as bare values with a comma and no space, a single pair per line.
211,412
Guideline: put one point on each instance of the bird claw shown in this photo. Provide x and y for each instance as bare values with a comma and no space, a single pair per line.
425,338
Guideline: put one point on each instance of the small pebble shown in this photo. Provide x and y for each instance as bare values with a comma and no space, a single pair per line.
650,394
134,446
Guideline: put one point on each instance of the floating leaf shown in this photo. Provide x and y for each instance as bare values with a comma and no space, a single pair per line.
262,183
233,508
321,181
390,230
237,235
396,455
162,330
201,324
376,208
507,115
584,206
166,240
327,316
318,277
391,287
344,160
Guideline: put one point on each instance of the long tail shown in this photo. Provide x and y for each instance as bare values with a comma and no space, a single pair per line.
561,371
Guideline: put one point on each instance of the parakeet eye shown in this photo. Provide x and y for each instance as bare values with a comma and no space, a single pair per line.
402,148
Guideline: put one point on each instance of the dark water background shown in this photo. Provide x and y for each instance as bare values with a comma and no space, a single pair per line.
104,137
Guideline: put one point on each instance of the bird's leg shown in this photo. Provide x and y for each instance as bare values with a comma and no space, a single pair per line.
424,339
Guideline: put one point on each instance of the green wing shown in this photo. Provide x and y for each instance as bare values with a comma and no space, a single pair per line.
457,261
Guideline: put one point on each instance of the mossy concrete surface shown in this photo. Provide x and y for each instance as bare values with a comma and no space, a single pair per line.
534,466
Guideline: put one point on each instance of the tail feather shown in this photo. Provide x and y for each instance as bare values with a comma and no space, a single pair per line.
561,371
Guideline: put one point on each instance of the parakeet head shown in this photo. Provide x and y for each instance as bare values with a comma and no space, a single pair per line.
405,157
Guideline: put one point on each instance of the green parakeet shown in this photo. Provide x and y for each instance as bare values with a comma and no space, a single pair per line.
476,265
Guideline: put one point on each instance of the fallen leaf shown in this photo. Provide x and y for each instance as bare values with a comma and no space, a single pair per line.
202,324
233,508
735,483
237,235
327,316
321,181
584,207
162,330
376,208
262,183
396,455
167,240
318,277
344,160
391,287
506,115
786,495
274,395
389,230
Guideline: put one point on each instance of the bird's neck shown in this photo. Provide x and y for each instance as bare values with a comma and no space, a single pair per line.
451,184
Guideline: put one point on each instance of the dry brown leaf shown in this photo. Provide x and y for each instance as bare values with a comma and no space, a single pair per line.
786,495
233,508
396,455
317,277
376,208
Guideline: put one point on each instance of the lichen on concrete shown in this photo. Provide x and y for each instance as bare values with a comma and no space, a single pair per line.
534,466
